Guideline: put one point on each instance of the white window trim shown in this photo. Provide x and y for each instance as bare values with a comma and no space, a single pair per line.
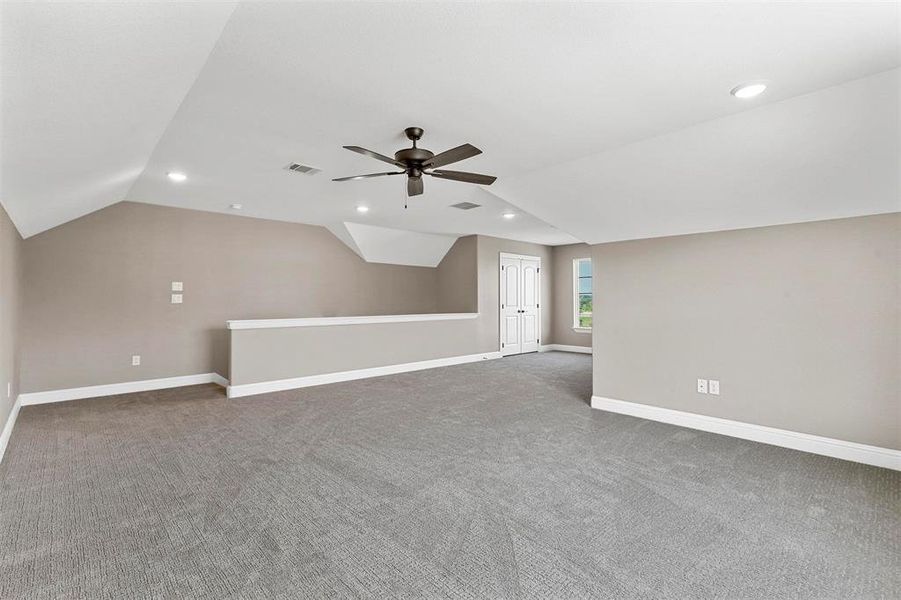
576,327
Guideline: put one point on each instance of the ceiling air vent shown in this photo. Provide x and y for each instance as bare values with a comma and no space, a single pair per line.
305,169
465,205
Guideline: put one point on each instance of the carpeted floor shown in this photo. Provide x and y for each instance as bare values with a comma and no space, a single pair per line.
487,480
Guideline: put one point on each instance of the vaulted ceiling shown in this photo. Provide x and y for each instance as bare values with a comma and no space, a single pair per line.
602,121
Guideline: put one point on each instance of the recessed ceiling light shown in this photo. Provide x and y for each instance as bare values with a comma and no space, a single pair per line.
176,176
236,206
748,90
509,215
362,209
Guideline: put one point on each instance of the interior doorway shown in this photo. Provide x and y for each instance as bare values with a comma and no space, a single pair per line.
520,308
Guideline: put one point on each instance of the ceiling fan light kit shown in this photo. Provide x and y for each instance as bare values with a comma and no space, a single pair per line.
417,162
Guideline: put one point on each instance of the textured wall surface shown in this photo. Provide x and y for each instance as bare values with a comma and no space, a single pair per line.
800,323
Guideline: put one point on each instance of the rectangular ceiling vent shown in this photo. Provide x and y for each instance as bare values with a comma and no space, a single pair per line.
465,205
305,169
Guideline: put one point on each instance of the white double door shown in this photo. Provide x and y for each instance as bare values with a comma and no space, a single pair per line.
520,298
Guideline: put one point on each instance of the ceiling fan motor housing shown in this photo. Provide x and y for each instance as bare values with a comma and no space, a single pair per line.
413,158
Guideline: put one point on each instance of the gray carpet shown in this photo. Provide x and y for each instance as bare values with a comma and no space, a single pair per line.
488,480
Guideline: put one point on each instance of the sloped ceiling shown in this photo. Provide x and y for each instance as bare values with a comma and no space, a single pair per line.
603,121
830,154
87,91
394,246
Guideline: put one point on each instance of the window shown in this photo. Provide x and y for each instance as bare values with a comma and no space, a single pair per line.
582,293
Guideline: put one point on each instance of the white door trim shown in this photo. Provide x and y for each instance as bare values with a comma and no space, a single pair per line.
500,283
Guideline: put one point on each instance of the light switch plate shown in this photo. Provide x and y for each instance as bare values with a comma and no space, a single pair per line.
176,298
714,386
702,386
135,360
178,286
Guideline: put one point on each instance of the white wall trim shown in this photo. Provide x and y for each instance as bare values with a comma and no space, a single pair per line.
111,389
364,320
249,389
8,427
564,348
862,453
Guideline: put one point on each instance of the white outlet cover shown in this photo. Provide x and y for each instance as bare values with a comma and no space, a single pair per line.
135,360
178,286
714,386
702,386
177,299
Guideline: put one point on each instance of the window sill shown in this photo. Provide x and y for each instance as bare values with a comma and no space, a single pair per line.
582,329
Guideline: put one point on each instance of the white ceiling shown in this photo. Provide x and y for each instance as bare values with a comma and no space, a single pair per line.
830,154
394,246
87,91
603,121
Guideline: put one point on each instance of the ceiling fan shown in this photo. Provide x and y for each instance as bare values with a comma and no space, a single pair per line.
415,162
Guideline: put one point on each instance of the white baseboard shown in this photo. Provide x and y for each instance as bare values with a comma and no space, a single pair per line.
249,389
111,389
219,380
862,453
564,348
8,427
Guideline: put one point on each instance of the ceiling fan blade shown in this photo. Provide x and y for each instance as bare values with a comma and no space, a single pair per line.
414,186
451,156
368,176
462,176
374,155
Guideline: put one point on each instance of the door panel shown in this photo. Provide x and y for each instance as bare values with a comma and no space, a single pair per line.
513,284
531,286
511,292
511,340
520,292
529,328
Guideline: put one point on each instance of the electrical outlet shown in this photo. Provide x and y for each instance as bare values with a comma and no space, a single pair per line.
702,386
178,286
177,299
714,386
135,360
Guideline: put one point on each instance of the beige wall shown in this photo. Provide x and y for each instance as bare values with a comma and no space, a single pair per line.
10,302
272,354
487,325
562,299
97,290
800,323
458,289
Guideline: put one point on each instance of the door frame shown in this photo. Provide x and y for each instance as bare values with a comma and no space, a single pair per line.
500,282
